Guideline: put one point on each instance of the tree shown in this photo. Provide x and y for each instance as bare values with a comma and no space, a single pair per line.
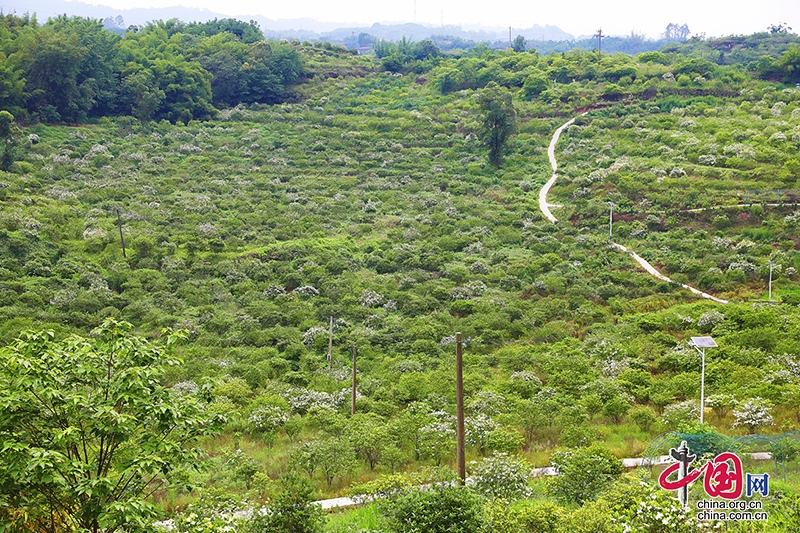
293,510
7,137
781,27
368,436
675,32
519,44
583,473
88,431
499,120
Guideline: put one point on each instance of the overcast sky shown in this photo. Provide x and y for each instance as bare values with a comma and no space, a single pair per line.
579,17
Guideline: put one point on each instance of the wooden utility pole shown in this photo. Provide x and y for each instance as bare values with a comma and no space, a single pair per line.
353,395
599,36
121,238
330,344
460,455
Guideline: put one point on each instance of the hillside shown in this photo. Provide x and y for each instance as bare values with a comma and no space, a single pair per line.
364,202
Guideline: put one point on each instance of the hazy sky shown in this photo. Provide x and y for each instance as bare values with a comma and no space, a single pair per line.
615,17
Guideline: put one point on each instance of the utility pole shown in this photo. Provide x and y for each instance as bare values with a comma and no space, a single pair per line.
510,42
770,280
599,36
460,455
611,222
121,238
353,395
330,344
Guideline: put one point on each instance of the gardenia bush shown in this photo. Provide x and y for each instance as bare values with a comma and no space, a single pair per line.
753,414
501,476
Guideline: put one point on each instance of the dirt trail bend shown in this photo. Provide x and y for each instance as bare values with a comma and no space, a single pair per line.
545,208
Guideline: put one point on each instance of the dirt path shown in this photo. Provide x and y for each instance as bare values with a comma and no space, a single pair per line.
545,208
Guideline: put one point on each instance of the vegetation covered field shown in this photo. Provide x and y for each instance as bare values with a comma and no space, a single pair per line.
357,203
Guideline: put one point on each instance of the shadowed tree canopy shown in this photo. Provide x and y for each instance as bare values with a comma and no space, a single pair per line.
499,120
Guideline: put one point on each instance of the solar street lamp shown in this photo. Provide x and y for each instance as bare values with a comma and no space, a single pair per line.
700,344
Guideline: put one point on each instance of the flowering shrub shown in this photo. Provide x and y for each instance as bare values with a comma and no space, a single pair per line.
267,419
477,429
273,291
213,512
307,290
582,473
500,476
370,298
720,403
708,320
753,414
677,414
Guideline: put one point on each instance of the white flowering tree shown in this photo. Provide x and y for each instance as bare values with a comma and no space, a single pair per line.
753,414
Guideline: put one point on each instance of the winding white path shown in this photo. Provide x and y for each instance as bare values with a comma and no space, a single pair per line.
551,153
545,208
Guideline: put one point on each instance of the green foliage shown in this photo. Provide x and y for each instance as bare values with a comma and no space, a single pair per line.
643,416
499,120
583,473
442,509
293,511
501,476
89,430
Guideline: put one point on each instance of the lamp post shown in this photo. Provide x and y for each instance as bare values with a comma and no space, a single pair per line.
700,344
611,221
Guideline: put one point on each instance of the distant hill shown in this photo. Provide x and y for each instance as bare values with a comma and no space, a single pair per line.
302,28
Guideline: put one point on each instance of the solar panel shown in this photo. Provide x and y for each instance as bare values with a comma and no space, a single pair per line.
703,342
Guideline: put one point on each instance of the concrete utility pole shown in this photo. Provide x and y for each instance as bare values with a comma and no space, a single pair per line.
460,456
599,36
770,280
510,42
611,221
121,238
330,344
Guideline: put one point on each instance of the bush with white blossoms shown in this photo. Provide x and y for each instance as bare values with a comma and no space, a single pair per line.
302,400
677,172
707,159
306,290
488,403
678,414
500,476
185,388
210,514
312,333
370,298
753,414
273,291
655,510
720,403
267,419
479,267
477,429
33,138
526,376
708,320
